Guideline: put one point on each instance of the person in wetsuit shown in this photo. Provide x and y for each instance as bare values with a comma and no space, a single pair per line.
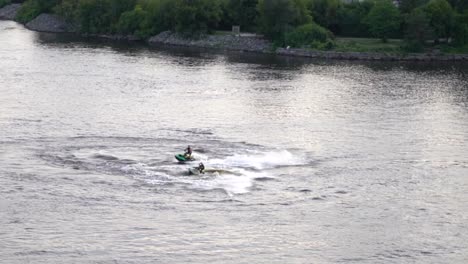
201,168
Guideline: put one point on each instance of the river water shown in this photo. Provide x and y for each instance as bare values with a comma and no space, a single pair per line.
325,161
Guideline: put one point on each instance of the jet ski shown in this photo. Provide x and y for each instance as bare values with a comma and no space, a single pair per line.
182,158
196,171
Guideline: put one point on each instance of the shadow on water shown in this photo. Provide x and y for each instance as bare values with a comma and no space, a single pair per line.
256,67
266,60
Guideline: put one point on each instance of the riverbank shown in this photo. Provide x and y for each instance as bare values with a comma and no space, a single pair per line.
244,43
9,12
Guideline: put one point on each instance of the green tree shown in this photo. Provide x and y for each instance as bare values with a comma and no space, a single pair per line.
196,16
307,34
133,22
441,17
32,8
406,6
351,21
277,17
161,16
68,9
461,29
326,12
240,12
94,16
418,30
459,5
383,20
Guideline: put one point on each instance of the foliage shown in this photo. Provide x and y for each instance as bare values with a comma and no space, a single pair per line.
307,34
196,16
406,6
326,13
32,8
441,17
383,20
351,19
461,30
4,3
240,12
160,16
297,23
459,5
94,16
277,17
418,30
132,22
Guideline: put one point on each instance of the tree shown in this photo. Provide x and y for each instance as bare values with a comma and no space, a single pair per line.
326,12
241,12
441,17
32,8
94,16
406,6
132,22
383,20
307,34
352,17
418,30
459,5
277,17
68,9
197,16
161,16
461,29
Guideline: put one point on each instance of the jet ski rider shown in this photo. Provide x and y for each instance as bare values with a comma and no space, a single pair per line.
201,168
188,152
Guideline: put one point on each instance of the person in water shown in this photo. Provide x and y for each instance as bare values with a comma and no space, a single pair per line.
188,152
201,167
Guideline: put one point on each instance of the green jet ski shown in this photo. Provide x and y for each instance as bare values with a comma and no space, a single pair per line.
182,158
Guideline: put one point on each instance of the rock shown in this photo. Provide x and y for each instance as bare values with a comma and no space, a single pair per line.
49,23
117,37
226,42
9,12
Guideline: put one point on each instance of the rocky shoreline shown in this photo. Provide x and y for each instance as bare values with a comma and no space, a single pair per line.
249,43
8,12
244,43
50,23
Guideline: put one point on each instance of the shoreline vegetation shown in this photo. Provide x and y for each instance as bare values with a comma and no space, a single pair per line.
380,30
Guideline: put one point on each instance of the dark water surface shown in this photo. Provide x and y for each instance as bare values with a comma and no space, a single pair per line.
330,162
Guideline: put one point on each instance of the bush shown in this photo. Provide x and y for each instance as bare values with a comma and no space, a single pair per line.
441,18
307,34
94,16
28,11
383,20
32,8
461,30
239,12
132,22
418,30
68,9
276,17
161,16
193,17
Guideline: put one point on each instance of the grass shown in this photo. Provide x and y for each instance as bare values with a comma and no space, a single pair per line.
453,50
220,32
368,45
